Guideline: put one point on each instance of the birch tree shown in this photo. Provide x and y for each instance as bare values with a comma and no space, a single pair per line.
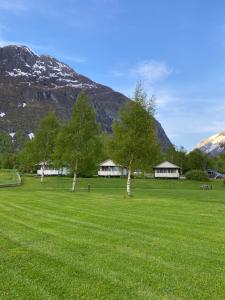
43,144
78,142
134,142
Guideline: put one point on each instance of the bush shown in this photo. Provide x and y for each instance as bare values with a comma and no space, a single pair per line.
197,175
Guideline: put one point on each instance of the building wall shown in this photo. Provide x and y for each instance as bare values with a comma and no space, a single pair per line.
167,173
53,172
112,171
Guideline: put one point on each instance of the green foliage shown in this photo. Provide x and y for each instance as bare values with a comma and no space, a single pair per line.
45,138
149,104
28,158
178,156
78,144
106,151
20,140
219,163
199,161
41,148
7,156
134,141
6,145
197,175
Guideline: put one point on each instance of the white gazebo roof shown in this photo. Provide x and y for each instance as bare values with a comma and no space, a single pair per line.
166,165
108,163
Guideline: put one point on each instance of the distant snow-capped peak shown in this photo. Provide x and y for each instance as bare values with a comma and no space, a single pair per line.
212,145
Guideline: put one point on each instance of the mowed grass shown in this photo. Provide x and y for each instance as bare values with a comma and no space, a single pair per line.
166,242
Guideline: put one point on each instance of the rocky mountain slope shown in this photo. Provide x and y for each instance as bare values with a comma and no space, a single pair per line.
212,145
32,85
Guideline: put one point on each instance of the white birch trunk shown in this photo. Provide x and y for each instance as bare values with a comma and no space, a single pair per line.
74,179
129,182
42,173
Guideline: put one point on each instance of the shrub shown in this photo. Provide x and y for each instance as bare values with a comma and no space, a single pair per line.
197,175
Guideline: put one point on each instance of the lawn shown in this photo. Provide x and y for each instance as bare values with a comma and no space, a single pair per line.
166,242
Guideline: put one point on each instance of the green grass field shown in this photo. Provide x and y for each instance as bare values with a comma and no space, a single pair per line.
166,242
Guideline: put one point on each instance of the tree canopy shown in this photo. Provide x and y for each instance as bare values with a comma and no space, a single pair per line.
41,148
134,142
78,142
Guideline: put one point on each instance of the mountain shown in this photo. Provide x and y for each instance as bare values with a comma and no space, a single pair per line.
212,144
32,85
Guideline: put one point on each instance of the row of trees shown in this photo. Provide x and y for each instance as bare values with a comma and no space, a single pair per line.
80,146
194,160
75,145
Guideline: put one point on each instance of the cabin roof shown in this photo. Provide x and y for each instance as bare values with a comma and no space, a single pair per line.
166,164
109,163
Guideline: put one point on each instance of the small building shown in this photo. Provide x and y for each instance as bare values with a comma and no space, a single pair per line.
110,169
167,170
50,171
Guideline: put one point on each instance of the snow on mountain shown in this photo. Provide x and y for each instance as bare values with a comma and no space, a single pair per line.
212,145
45,68
32,85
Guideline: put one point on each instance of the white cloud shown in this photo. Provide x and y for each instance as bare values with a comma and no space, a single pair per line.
165,96
151,71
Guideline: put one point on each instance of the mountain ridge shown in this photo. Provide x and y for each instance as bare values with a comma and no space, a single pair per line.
33,84
212,144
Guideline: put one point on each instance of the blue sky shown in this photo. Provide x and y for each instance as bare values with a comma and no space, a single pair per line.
176,47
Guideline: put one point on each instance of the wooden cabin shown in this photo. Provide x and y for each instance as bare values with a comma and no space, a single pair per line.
110,169
50,171
167,170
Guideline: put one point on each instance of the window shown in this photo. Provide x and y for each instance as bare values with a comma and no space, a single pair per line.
164,171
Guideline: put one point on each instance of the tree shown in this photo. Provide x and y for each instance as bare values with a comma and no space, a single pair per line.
177,156
41,148
27,157
106,140
20,140
170,154
6,151
78,142
134,142
198,160
197,175
219,163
